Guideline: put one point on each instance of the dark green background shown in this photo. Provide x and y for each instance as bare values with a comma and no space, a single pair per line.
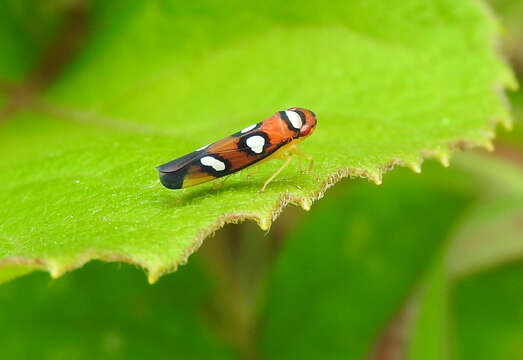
323,284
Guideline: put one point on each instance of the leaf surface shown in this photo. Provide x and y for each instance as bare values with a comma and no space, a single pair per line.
155,81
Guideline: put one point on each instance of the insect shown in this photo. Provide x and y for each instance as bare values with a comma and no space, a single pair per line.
275,137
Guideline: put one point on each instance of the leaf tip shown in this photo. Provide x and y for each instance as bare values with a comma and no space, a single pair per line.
489,146
507,125
264,223
444,158
415,166
154,273
152,278
305,203
55,272
375,177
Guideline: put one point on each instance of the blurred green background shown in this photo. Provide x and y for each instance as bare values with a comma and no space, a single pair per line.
424,267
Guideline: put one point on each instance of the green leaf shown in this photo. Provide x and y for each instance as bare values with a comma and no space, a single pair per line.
154,81
105,311
489,314
336,281
22,39
496,214
430,335
501,207
514,138
343,274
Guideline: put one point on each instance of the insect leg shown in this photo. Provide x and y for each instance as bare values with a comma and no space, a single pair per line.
218,184
306,156
254,171
285,164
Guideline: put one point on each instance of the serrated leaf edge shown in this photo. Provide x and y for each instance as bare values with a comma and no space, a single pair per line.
442,154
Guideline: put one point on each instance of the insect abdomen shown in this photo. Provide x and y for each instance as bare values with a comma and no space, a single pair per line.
172,180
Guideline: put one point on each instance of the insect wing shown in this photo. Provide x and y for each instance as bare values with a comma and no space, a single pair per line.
226,156
179,163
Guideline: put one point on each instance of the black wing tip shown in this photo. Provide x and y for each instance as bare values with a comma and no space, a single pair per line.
163,167
171,180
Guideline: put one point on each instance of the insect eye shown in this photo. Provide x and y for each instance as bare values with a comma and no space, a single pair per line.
305,130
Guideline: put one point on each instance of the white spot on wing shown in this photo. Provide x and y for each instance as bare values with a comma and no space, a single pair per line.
248,128
215,163
203,147
294,118
256,143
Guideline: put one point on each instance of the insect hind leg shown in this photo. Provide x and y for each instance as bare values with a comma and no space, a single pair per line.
285,164
219,183
253,172
301,154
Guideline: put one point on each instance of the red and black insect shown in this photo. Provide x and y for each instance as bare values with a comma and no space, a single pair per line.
276,137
